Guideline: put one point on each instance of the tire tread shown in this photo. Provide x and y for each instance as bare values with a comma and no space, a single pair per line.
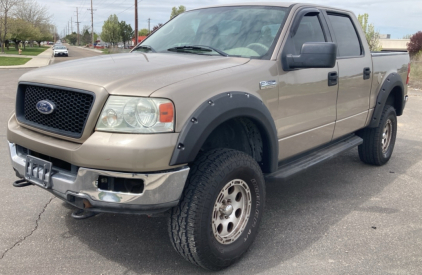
369,150
182,223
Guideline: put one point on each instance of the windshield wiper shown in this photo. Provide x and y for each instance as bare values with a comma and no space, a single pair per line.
197,48
144,47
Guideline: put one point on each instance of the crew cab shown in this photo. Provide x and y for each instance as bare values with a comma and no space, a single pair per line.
192,122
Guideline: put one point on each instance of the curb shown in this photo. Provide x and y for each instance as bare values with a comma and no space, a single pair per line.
26,66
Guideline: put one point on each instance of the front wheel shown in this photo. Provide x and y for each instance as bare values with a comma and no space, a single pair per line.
220,211
378,143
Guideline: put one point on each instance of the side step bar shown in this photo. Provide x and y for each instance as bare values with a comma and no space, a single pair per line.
289,169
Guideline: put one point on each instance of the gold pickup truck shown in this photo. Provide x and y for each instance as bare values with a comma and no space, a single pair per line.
197,116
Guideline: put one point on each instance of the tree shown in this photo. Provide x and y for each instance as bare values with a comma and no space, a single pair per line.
126,32
6,7
111,30
44,34
32,12
19,31
176,11
372,36
72,38
156,27
143,32
86,35
415,44
37,15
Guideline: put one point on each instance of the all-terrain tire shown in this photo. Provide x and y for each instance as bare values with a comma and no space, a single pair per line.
372,150
191,224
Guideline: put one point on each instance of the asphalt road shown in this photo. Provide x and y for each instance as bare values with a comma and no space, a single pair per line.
74,53
342,217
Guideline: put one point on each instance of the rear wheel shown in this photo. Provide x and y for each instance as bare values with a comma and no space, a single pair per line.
218,216
378,143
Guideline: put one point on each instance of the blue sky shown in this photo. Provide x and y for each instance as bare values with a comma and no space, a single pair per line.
397,18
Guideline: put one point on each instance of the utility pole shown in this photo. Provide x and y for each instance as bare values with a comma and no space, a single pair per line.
136,22
92,24
149,26
68,28
77,23
71,25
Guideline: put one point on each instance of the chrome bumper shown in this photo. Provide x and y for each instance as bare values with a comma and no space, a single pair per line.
162,190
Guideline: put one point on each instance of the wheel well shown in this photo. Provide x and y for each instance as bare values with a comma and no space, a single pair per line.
240,134
395,99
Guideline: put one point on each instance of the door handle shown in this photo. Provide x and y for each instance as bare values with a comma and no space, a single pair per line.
366,73
332,78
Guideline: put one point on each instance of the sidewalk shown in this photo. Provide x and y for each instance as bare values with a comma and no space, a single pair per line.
41,60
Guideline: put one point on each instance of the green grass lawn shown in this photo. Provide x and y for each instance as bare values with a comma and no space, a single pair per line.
28,51
106,51
12,61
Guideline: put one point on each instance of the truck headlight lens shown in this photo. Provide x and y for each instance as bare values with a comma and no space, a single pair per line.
136,115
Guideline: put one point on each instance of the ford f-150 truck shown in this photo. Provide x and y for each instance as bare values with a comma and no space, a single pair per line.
197,116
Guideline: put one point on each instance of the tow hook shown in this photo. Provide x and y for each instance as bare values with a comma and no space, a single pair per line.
81,214
21,183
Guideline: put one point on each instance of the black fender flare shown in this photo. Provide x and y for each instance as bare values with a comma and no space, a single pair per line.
391,81
219,109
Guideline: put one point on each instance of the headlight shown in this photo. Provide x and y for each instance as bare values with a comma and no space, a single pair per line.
136,115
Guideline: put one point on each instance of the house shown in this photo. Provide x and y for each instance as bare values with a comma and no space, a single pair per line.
140,39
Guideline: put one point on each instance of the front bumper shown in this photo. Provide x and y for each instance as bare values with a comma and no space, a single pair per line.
162,190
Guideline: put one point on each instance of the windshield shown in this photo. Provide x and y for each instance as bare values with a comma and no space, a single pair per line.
248,31
60,48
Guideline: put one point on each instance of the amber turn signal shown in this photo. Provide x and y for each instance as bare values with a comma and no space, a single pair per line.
166,112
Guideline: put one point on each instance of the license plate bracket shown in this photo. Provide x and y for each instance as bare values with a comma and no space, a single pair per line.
38,171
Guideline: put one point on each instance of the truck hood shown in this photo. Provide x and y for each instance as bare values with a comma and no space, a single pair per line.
136,74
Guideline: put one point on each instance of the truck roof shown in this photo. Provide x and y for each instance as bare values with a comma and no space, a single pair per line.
274,4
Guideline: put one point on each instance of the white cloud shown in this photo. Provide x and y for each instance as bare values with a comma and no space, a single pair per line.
397,18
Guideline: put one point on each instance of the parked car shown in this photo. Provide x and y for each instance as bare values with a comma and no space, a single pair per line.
197,118
60,51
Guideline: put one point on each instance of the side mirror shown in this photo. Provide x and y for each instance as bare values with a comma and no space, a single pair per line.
314,55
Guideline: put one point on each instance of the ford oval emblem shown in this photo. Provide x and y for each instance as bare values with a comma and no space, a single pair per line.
45,107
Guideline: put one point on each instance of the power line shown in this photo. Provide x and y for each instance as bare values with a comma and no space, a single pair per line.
125,9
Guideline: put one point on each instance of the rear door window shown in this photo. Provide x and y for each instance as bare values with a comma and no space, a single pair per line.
346,37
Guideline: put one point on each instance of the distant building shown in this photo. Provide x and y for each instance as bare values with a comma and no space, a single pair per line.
394,45
385,36
140,39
